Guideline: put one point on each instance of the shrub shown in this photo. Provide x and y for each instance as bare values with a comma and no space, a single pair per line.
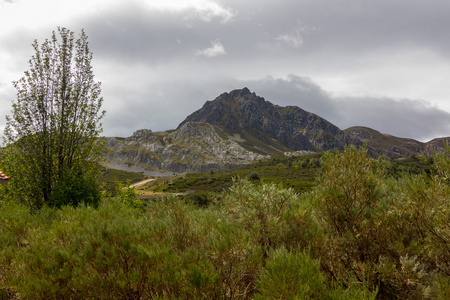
290,274
254,176
260,209
389,232
295,275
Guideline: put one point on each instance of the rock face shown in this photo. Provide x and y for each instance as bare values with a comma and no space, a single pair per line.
240,127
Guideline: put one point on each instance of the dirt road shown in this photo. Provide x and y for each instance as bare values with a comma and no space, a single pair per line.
141,183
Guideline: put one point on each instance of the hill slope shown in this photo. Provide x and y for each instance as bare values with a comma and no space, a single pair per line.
381,144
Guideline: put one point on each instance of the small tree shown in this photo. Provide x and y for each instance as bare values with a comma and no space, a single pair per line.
51,147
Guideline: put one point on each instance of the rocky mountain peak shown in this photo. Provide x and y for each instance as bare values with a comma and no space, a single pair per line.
284,128
243,95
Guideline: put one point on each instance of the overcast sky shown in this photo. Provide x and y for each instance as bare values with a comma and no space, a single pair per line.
384,64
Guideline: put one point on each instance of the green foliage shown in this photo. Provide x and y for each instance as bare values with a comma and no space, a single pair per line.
347,201
391,232
349,189
127,194
51,148
254,176
75,189
260,210
442,286
426,207
200,199
361,233
291,275
109,178
295,275
411,165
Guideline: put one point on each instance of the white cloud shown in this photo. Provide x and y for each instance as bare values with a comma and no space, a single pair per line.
292,39
32,15
216,49
204,10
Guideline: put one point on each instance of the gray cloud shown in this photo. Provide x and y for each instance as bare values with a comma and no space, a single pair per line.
135,34
159,65
400,117
356,25
266,31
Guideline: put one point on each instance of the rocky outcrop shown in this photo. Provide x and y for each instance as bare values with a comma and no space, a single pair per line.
193,147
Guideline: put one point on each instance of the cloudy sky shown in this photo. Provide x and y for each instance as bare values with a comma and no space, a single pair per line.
384,64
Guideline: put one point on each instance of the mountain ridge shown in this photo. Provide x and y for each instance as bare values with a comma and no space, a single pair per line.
240,127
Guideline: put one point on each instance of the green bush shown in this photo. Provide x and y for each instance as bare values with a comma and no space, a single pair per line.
260,210
387,231
254,176
126,194
295,275
290,275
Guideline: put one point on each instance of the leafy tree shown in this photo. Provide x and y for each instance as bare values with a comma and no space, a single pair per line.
51,147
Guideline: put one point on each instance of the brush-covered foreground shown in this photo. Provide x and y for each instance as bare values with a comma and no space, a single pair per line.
363,232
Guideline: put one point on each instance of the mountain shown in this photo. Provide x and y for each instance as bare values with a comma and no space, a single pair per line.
240,127
260,126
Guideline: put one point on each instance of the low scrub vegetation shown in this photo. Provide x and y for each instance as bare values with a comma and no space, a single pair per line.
361,232
296,172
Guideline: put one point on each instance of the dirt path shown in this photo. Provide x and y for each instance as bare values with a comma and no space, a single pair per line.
141,183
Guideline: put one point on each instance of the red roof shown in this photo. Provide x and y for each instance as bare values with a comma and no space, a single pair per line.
3,176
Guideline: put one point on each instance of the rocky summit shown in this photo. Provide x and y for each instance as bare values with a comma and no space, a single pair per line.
240,127
260,126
